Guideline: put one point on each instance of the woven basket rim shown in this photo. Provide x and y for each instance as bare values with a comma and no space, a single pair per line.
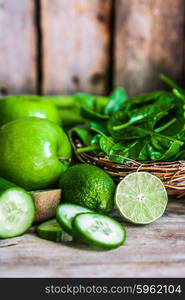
172,173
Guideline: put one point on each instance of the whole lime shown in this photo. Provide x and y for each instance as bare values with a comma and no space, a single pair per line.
88,186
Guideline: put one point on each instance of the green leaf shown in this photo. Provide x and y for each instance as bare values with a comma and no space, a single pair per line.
179,94
172,151
142,99
117,100
93,145
95,140
178,126
130,133
84,135
92,115
153,154
88,107
165,154
123,150
180,155
99,127
106,144
148,112
169,81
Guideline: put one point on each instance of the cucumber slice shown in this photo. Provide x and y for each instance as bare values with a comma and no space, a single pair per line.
98,230
17,211
51,231
65,213
5,184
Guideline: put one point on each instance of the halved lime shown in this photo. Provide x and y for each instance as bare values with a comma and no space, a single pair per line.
141,198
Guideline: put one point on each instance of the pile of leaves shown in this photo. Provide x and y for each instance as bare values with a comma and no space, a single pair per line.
147,127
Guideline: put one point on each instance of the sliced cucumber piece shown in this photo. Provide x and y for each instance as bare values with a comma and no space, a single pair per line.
51,231
98,230
65,214
17,211
5,184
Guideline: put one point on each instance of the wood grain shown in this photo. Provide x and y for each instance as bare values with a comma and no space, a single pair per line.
155,250
149,40
76,41
17,47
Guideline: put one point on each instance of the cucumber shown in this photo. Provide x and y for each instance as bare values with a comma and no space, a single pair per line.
17,210
98,230
65,214
51,231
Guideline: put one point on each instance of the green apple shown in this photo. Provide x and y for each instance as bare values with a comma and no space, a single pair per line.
17,107
33,152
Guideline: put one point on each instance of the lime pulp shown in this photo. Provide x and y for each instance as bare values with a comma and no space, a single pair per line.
141,198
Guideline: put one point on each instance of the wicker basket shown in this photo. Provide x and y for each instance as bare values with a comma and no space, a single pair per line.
172,173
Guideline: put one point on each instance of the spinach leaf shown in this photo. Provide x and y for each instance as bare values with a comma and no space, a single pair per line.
165,154
172,151
148,112
106,144
92,115
179,94
88,107
180,155
142,99
123,151
99,127
169,81
178,126
131,132
148,127
116,102
85,135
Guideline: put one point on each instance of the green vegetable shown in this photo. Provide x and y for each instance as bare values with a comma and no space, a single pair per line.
51,230
116,101
17,210
98,230
147,127
169,81
65,214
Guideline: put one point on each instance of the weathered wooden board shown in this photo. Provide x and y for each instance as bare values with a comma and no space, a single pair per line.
155,250
76,45
17,47
149,40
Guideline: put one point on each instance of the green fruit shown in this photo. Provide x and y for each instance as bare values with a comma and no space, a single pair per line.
141,198
17,107
88,186
34,152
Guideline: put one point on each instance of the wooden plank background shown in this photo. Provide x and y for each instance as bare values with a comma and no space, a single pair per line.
17,47
64,46
149,40
76,43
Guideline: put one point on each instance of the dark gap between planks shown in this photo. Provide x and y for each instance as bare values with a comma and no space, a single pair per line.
39,65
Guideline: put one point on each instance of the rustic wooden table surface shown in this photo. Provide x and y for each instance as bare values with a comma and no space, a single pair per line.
156,250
